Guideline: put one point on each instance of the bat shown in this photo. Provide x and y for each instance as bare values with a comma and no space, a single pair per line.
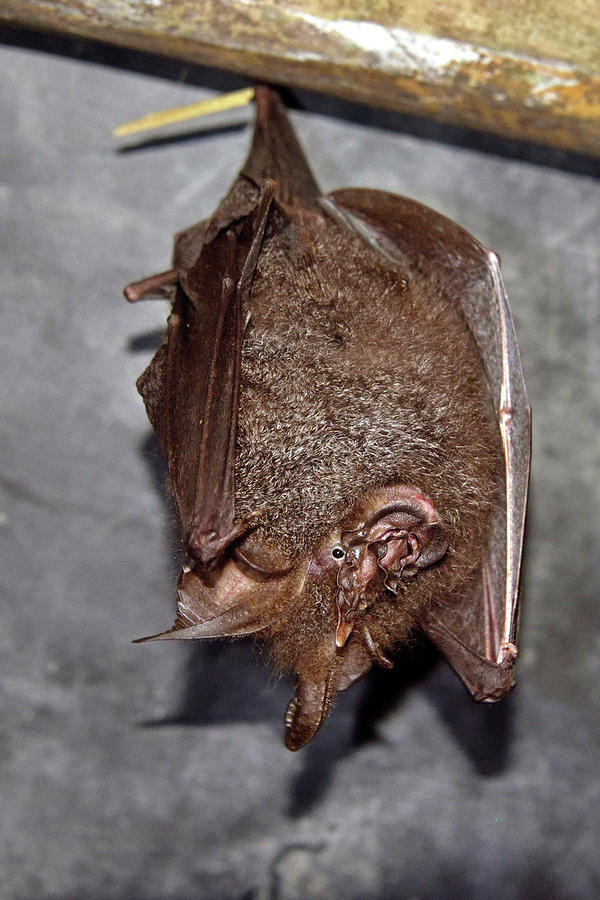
341,404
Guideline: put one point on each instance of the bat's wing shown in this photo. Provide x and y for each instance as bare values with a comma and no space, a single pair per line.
477,635
191,387
246,606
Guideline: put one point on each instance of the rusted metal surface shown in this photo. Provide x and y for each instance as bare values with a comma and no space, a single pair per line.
526,69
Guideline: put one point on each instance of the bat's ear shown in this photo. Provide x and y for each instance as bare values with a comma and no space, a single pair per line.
401,531
398,533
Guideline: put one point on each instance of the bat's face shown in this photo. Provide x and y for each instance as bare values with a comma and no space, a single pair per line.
332,611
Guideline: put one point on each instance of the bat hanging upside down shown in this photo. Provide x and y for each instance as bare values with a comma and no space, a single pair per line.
341,404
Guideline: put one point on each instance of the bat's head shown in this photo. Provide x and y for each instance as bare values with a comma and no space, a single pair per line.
390,533
329,612
359,599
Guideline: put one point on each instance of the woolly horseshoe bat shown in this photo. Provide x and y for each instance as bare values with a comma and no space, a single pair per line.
341,403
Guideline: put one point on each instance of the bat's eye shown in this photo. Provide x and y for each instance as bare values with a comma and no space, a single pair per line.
338,553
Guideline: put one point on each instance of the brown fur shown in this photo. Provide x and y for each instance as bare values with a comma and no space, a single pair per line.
358,377
345,388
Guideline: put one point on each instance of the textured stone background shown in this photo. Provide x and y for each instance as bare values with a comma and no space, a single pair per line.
158,771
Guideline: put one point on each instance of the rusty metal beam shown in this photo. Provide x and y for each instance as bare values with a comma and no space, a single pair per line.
525,69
